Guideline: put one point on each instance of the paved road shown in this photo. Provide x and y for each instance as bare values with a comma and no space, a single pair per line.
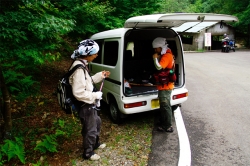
217,113
165,147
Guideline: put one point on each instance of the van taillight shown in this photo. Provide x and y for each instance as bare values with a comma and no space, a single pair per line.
180,96
138,104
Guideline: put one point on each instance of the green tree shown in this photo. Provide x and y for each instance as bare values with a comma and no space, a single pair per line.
124,9
87,16
35,32
174,6
30,35
240,9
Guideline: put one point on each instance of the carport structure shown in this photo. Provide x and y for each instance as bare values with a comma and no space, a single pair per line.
193,34
194,27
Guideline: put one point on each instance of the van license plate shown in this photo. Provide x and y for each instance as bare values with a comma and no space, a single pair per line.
155,103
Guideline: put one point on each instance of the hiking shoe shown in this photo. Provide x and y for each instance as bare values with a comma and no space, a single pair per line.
99,146
169,130
95,157
102,146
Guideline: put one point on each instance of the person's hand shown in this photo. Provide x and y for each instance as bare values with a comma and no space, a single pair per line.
155,55
98,103
105,74
98,95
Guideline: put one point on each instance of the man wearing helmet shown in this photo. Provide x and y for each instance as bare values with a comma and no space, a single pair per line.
163,58
226,38
83,90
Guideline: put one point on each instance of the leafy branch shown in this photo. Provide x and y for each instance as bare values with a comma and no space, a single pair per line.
13,149
49,143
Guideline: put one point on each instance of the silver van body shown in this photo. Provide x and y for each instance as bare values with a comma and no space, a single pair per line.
127,54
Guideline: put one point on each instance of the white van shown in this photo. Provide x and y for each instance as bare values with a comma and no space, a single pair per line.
127,54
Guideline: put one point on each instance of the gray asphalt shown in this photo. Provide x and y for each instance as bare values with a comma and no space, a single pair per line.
216,114
164,148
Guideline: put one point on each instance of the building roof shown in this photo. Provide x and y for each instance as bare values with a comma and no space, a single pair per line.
194,27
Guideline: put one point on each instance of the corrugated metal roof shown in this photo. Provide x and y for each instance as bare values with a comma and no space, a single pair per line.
193,27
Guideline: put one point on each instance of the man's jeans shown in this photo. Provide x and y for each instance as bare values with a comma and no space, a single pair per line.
165,108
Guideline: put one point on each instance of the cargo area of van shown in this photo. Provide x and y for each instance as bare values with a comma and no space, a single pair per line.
138,65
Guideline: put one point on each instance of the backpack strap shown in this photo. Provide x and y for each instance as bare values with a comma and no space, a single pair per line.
70,72
84,69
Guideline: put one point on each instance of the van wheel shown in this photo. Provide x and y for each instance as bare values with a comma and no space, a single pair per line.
115,113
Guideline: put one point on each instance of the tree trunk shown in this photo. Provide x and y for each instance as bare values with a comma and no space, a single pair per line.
6,107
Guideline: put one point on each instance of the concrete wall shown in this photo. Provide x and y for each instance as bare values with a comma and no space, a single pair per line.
215,30
196,42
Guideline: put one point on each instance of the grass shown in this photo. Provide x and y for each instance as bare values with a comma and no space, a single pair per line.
36,117
127,143
201,50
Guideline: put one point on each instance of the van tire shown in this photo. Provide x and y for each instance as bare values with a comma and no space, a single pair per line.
114,112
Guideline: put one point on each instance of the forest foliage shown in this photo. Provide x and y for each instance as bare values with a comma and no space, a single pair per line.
33,32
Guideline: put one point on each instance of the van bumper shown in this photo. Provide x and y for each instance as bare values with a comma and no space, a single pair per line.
178,96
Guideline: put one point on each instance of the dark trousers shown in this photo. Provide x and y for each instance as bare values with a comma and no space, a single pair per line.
165,108
91,125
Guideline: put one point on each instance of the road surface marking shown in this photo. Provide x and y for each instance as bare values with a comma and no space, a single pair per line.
184,151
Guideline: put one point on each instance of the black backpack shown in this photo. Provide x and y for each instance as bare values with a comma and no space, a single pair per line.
65,97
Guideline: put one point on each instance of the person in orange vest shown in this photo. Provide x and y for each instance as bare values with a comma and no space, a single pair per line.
163,58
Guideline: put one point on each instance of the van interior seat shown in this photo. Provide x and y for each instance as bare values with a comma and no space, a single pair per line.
128,55
129,65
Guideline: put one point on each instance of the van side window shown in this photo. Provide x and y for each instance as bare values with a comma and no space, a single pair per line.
98,59
110,53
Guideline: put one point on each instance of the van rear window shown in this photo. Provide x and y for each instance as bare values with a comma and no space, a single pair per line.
110,53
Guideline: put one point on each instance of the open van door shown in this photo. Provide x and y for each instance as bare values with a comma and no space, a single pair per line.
176,19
